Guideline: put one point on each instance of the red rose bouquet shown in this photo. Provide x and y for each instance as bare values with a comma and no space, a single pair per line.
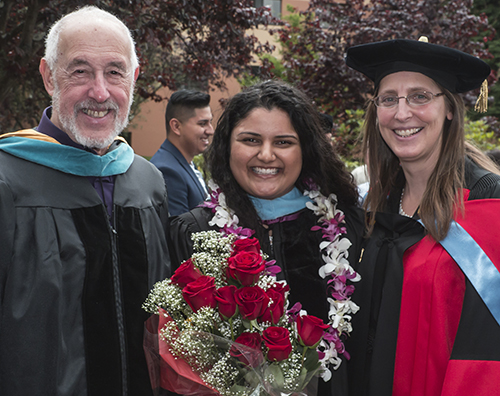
222,326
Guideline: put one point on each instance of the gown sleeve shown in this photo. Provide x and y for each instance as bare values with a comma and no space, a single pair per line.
481,183
181,228
487,187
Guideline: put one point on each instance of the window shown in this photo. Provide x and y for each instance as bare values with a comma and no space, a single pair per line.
274,4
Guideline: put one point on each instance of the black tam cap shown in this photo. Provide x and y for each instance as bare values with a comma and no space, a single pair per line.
454,70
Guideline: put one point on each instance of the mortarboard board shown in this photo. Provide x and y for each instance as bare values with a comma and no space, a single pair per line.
453,69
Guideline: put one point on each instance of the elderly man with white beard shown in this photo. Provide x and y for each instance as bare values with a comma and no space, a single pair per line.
84,222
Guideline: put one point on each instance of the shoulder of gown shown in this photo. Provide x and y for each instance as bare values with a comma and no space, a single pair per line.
481,183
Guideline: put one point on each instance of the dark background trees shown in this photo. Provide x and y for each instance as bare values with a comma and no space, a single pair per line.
314,43
492,10
314,48
195,43
190,43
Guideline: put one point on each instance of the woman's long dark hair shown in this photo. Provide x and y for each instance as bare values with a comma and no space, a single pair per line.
320,165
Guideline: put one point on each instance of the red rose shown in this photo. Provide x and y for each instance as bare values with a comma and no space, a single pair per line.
281,287
246,245
200,293
275,310
225,301
277,340
186,273
310,329
247,349
245,267
252,301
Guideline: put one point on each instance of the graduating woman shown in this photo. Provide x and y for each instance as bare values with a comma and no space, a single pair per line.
269,148
429,323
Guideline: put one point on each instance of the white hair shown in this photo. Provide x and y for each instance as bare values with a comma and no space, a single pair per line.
87,13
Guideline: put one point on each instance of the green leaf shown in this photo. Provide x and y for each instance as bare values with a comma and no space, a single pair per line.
311,362
274,371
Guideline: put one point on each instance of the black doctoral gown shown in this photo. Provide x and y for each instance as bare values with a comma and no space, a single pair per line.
296,250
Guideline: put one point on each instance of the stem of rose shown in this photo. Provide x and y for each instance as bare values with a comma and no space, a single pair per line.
303,357
232,329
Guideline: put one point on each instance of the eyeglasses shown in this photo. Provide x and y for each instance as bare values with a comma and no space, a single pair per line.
414,99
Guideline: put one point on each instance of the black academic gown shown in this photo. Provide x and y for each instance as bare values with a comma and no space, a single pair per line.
294,247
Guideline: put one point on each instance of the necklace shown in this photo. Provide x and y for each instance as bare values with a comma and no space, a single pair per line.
334,252
401,210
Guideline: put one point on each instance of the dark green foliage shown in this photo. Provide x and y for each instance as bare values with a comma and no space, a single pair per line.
492,11
191,43
180,43
314,48
314,44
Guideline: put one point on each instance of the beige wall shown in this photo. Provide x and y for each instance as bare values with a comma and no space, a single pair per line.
300,5
148,128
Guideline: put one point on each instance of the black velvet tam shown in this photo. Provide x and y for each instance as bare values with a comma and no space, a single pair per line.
454,70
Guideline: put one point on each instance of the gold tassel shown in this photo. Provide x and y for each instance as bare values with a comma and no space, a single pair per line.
482,100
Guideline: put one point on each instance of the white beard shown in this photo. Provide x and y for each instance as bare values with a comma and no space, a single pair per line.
71,128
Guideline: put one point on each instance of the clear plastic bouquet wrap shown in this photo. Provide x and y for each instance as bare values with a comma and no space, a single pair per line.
220,326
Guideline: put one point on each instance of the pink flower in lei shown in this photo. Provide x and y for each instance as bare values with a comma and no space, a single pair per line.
224,218
331,228
338,285
336,269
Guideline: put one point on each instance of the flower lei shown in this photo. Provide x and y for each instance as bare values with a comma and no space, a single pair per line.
336,269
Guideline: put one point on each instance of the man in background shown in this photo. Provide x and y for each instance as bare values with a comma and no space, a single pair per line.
188,121
84,223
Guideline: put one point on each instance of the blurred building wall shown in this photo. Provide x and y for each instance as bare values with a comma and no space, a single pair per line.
148,128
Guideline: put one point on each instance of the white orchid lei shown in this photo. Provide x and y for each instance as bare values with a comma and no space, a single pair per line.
336,269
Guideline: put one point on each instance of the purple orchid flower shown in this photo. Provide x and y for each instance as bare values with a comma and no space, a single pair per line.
310,184
294,312
338,287
240,232
332,337
331,228
213,202
271,268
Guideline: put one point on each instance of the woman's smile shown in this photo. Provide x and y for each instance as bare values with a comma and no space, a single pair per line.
407,132
265,171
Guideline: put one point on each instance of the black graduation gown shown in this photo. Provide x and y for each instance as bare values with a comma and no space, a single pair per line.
296,250
373,341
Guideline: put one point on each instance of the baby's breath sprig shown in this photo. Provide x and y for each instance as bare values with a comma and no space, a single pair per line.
168,296
211,252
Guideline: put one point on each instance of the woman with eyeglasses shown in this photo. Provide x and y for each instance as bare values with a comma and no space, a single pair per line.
430,287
